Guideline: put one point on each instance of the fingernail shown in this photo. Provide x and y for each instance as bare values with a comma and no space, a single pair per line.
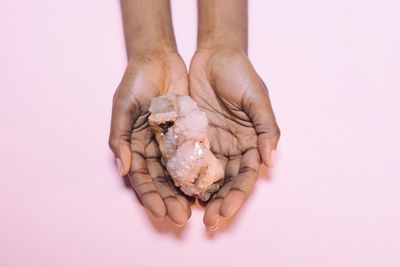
213,228
272,158
179,225
120,166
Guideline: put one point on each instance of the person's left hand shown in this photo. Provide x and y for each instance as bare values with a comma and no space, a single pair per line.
242,126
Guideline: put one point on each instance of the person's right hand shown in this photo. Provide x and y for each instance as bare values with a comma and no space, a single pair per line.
148,75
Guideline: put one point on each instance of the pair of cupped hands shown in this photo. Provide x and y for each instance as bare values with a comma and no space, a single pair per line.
242,130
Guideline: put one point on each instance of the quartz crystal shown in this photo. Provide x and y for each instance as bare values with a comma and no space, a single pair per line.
180,128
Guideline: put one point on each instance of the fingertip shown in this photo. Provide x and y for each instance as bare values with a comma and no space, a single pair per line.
272,158
264,156
185,205
212,216
268,157
214,228
176,212
126,157
215,225
120,166
232,203
155,205
179,221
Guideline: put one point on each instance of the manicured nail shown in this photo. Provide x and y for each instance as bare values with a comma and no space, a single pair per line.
120,166
272,158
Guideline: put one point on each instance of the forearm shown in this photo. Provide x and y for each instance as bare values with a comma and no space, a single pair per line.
222,23
147,25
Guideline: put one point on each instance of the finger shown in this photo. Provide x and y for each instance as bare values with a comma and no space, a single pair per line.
144,186
211,216
222,159
260,111
123,157
267,144
231,171
122,121
186,203
177,210
226,163
232,167
242,184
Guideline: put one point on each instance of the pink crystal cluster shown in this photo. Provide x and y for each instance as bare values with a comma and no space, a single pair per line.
180,128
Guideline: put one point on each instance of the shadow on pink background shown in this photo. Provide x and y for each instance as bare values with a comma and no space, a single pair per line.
332,68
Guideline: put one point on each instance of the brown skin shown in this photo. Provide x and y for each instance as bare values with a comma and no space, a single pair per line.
154,68
242,126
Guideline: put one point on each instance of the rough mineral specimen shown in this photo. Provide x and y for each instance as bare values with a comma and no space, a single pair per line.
181,132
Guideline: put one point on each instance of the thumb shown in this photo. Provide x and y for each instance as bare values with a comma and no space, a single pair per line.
122,121
268,132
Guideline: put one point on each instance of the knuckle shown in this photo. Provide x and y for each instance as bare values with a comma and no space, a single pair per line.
270,129
160,179
272,132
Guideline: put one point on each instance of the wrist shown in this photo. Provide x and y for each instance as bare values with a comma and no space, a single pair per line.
147,26
152,54
221,50
152,46
222,24
217,44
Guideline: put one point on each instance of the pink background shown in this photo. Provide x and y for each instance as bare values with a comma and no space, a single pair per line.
333,199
